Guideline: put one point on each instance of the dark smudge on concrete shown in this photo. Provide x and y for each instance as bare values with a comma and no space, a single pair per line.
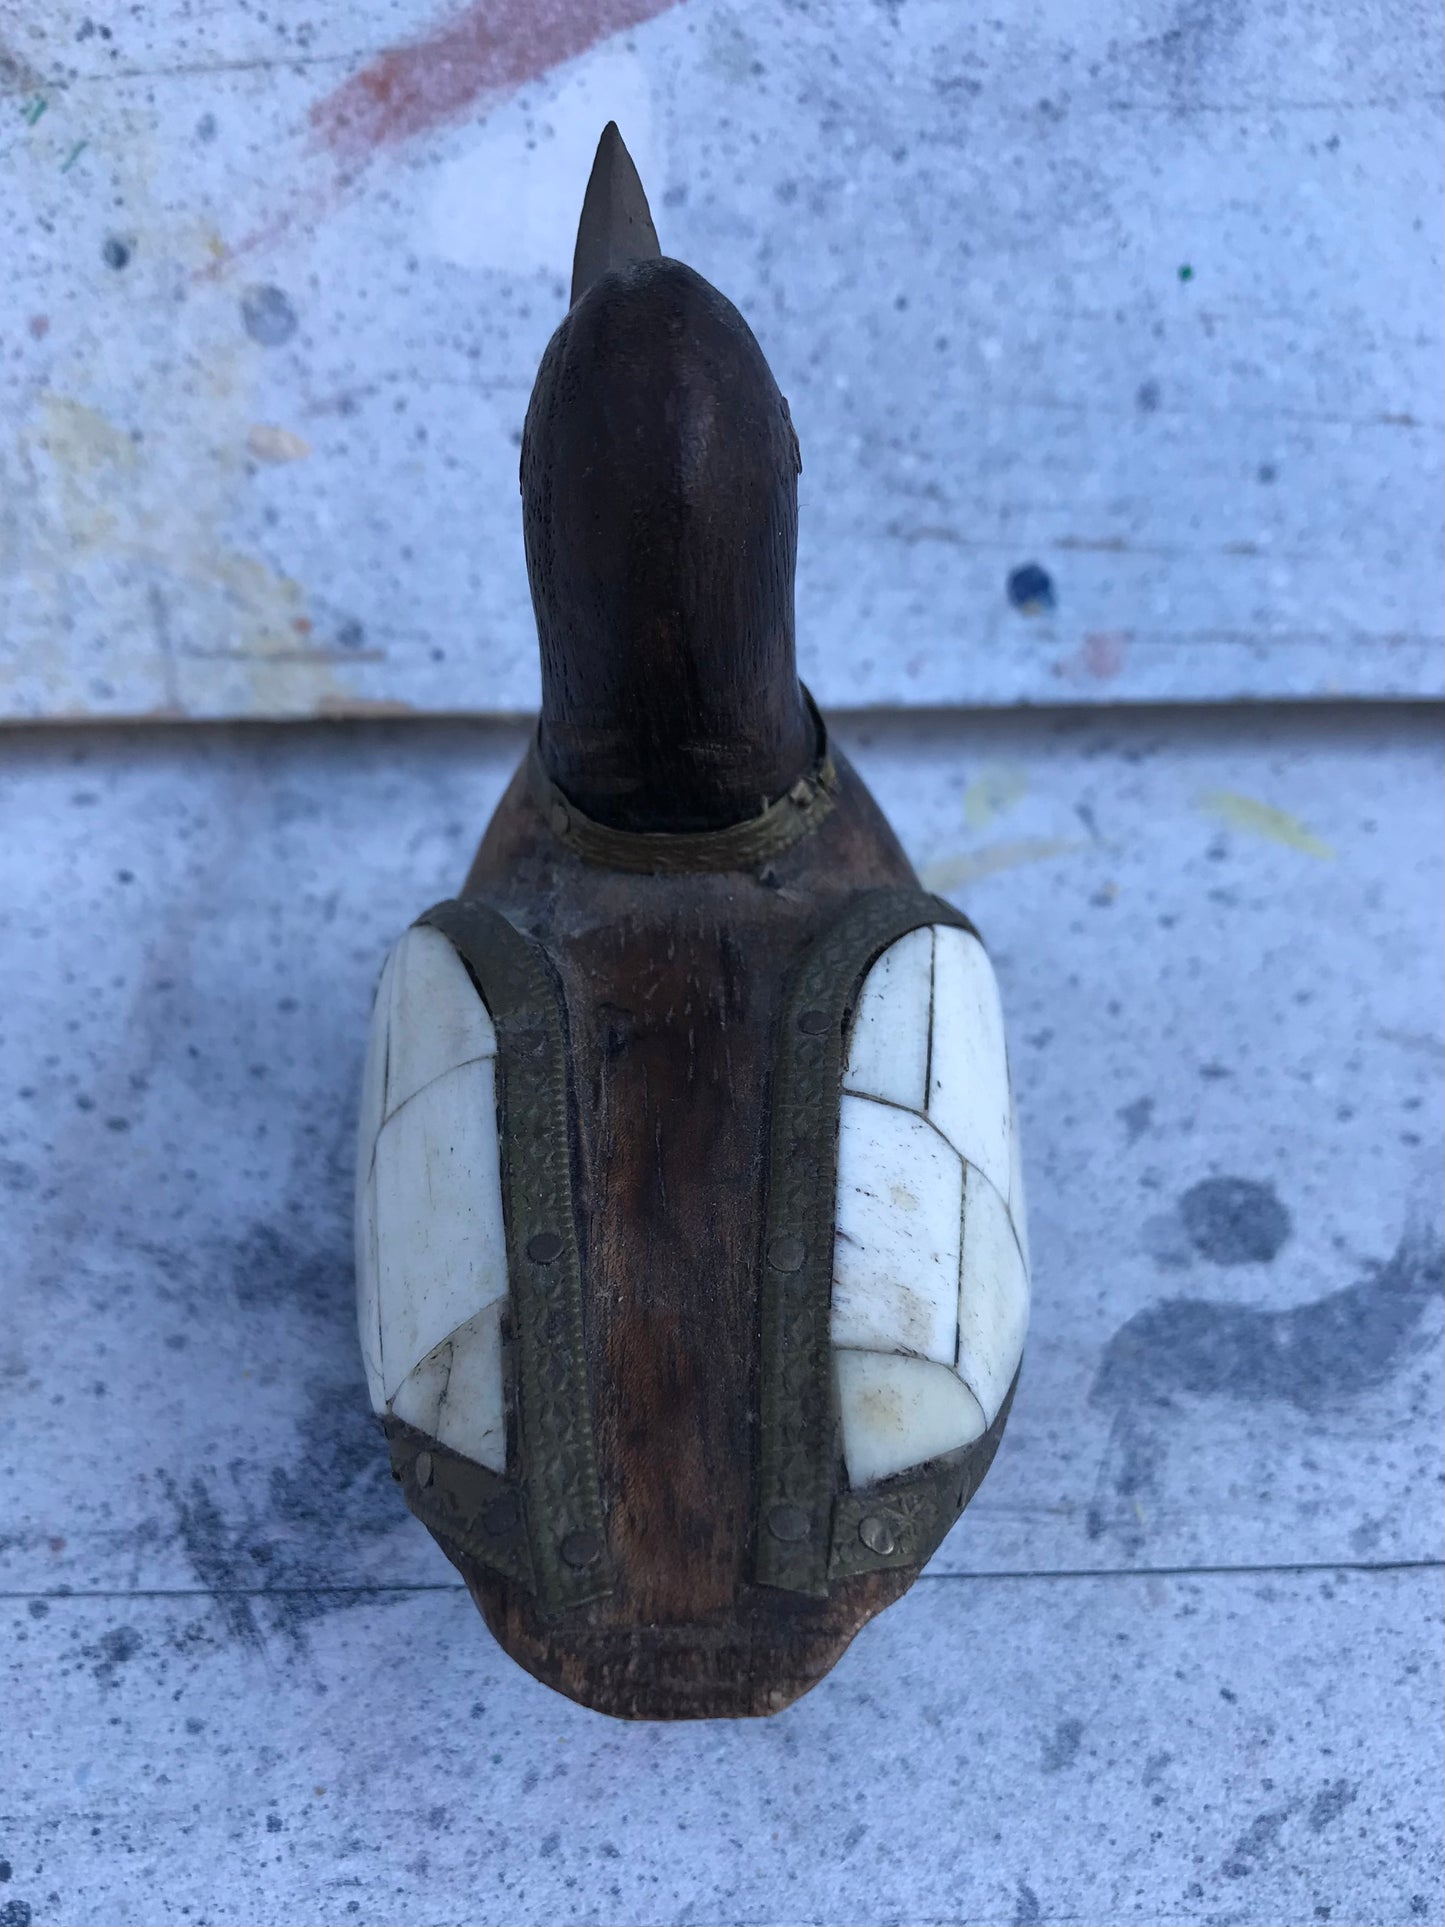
1234,1221
267,1541
1312,1357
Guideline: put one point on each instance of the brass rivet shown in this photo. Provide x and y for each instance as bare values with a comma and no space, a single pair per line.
502,1515
789,1523
558,819
544,1248
422,1469
877,1534
815,1022
581,1549
785,1254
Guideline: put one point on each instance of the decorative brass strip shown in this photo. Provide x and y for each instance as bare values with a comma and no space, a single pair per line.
556,1455
476,1511
797,1452
741,846
904,1522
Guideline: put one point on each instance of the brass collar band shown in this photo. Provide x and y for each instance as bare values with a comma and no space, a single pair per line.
741,846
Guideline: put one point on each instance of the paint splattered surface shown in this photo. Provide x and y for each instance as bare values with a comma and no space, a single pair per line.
1112,336
1191,1622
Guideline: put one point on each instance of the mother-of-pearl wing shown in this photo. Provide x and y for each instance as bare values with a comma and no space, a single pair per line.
930,1272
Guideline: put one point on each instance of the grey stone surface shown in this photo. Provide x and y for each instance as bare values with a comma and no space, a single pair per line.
1221,1749
1179,1659
1145,297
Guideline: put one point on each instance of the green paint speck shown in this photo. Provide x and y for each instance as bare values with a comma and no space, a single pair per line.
35,108
1186,273
74,155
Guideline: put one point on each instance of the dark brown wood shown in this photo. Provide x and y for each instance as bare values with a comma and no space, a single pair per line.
673,987
659,481
659,485
615,230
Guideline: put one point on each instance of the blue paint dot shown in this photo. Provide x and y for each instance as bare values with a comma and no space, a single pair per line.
267,316
1031,589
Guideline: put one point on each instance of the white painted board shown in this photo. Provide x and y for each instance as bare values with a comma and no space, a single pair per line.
1146,298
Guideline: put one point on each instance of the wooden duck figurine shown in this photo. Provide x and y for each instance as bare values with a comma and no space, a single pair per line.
691,1257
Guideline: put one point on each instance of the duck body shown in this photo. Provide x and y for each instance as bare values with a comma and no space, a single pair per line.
691,1251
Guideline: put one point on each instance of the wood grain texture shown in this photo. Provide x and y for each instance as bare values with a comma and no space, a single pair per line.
660,509
673,987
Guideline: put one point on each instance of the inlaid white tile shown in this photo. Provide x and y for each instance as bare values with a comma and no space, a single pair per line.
472,1419
900,1412
896,1233
1018,1206
888,1050
441,1243
457,1394
373,1077
968,1095
418,1398
437,1020
993,1296
368,1304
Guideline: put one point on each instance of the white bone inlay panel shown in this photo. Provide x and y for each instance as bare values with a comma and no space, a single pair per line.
418,1398
898,1412
373,1078
472,1419
968,1095
896,1250
930,1283
888,1050
457,1393
441,1242
1018,1204
993,1299
368,1303
437,1020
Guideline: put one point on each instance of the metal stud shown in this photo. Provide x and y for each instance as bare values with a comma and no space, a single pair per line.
581,1549
502,1515
545,1248
815,1022
789,1523
558,819
876,1532
422,1469
786,1253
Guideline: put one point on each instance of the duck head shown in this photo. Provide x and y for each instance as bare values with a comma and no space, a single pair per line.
659,480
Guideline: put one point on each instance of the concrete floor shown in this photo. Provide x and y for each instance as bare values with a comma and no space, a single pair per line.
1180,1661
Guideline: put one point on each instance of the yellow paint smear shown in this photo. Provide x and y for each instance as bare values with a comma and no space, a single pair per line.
268,443
972,866
1263,819
991,793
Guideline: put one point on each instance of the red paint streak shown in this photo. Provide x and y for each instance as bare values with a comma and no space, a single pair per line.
495,44
39,326
1104,654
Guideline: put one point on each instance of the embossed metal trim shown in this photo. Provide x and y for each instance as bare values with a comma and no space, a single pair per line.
741,846
476,1511
797,1448
914,1512
556,1454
